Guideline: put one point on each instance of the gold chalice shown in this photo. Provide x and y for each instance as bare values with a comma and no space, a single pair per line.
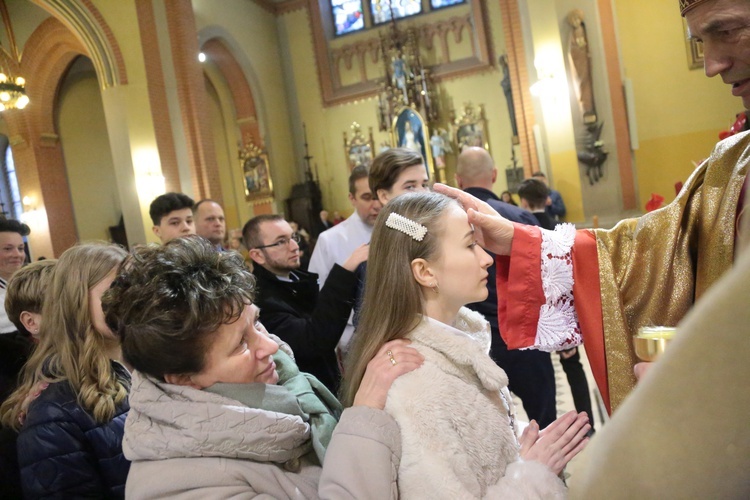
651,341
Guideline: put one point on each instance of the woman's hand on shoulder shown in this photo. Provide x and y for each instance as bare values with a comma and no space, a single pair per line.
558,443
392,360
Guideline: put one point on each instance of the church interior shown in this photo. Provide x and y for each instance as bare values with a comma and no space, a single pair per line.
266,107
275,112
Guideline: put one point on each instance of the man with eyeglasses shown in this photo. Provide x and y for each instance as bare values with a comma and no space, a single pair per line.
309,319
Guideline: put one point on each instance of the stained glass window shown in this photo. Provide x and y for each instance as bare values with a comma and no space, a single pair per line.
439,4
381,9
347,16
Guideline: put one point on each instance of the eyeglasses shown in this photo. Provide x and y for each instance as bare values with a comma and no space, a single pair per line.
283,241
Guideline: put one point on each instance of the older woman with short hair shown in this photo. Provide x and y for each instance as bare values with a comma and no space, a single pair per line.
218,406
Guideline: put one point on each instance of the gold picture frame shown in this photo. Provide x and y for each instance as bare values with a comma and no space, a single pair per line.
359,151
694,49
410,131
256,173
471,128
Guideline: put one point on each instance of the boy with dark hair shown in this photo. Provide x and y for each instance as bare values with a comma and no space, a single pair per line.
172,215
533,194
556,206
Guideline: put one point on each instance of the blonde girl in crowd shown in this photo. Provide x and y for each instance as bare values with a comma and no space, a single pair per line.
72,400
458,431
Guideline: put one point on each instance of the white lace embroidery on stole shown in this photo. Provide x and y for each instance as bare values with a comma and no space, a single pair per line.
558,327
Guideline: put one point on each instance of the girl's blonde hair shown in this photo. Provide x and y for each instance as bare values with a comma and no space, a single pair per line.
71,349
393,299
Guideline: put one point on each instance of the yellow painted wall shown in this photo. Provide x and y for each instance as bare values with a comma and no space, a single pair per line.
679,111
553,101
88,157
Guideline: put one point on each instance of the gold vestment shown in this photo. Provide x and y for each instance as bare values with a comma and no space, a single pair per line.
652,269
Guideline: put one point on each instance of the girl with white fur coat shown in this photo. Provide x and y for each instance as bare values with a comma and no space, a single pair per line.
458,431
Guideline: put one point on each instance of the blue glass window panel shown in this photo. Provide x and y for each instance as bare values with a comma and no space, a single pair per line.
347,16
16,207
439,4
381,9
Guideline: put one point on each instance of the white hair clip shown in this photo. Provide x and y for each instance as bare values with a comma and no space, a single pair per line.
406,226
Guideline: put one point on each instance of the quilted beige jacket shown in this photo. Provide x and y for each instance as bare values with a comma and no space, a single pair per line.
186,443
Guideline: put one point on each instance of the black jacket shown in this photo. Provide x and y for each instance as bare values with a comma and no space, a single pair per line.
64,453
510,212
309,319
545,221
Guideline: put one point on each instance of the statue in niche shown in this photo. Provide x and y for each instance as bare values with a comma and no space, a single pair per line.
580,58
508,91
409,141
438,149
592,154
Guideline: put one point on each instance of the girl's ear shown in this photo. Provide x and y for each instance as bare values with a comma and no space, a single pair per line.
423,273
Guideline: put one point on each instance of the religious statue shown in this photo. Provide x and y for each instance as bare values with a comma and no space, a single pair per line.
409,141
438,149
508,91
580,58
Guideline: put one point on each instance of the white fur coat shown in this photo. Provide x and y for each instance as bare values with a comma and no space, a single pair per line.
456,436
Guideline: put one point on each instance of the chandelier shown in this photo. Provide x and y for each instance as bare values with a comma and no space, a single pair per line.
12,92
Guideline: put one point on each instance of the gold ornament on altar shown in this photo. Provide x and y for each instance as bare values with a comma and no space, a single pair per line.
407,83
471,128
256,173
359,151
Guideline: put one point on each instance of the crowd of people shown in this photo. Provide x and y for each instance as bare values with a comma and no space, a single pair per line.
384,370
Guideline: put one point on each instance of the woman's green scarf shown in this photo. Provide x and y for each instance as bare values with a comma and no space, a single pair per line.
297,393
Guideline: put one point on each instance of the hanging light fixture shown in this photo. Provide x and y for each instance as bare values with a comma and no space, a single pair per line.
12,90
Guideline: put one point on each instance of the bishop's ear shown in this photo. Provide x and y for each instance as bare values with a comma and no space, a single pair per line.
423,273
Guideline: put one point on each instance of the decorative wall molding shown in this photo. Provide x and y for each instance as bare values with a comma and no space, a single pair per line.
435,36
48,139
278,7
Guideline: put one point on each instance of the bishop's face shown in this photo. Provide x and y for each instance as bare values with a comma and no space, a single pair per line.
724,28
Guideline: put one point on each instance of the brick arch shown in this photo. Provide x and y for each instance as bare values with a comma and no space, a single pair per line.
88,26
36,147
239,88
47,55
242,98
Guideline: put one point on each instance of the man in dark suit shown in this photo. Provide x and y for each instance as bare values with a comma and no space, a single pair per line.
530,373
292,306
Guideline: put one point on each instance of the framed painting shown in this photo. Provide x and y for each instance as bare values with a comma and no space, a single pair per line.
256,173
694,49
410,131
471,128
359,150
